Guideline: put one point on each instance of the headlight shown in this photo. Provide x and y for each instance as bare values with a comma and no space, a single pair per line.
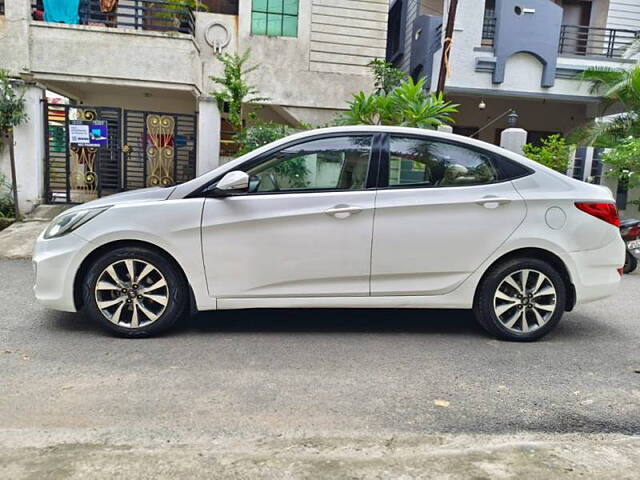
68,222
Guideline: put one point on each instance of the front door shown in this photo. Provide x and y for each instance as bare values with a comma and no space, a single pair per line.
303,230
444,211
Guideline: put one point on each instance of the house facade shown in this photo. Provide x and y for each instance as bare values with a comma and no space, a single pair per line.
135,76
522,55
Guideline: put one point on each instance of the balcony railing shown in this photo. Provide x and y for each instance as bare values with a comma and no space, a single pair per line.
595,42
156,15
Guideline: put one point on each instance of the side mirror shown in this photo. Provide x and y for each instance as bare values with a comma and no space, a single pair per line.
233,183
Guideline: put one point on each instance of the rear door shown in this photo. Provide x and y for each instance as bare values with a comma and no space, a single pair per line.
442,209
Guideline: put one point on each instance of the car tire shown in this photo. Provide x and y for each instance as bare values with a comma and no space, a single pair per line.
630,263
501,299
144,306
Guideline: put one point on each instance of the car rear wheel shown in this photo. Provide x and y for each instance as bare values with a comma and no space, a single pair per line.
521,300
135,292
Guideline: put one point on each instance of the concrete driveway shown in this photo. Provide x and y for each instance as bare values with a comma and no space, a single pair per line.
317,394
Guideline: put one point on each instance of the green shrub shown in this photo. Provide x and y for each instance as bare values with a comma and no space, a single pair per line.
7,209
554,153
407,105
624,162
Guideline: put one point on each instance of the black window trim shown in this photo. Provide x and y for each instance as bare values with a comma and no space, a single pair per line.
383,179
373,175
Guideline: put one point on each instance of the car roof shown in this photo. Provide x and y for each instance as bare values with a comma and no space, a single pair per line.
185,189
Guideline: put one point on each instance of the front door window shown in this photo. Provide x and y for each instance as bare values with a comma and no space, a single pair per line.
334,163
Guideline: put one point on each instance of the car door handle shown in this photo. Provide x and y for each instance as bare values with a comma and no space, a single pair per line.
493,202
343,211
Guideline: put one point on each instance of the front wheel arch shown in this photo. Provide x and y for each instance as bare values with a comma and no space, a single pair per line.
89,259
540,254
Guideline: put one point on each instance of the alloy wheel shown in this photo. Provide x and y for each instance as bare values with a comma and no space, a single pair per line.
525,300
131,293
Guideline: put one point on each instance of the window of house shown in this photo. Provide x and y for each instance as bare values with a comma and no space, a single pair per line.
278,18
336,163
416,162
395,31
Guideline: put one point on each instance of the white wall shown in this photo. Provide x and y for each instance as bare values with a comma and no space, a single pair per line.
523,71
624,14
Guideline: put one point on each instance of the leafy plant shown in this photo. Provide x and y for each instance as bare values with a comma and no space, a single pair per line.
554,153
260,134
263,133
386,76
624,162
12,114
407,105
6,201
617,87
177,9
234,90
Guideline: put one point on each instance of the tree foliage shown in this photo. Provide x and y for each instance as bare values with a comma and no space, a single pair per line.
12,106
407,105
385,76
621,87
260,134
234,89
624,162
554,153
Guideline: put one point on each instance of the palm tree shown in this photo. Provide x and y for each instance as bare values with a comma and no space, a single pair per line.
617,87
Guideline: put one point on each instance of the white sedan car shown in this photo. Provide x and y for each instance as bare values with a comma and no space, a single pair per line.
347,217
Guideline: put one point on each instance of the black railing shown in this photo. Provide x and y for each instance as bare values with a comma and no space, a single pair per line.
156,15
488,28
595,42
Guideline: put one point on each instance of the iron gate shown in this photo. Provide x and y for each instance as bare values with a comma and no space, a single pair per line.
158,149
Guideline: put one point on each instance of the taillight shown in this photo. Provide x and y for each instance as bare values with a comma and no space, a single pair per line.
604,211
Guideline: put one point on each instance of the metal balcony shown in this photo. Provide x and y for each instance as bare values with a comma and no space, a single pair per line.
156,15
595,42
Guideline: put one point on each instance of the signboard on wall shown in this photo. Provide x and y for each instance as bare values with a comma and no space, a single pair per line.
92,133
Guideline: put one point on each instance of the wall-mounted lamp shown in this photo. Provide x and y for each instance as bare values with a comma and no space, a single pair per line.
482,105
512,119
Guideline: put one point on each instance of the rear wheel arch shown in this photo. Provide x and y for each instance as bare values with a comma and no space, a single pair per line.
539,254
102,249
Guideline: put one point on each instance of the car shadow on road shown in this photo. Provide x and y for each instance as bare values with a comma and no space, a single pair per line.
334,320
380,321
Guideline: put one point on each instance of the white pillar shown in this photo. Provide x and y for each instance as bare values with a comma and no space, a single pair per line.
513,139
208,155
445,128
29,152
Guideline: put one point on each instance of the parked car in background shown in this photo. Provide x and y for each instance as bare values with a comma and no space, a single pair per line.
342,217
630,231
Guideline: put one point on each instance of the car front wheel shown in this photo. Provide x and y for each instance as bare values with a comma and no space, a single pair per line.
134,292
521,299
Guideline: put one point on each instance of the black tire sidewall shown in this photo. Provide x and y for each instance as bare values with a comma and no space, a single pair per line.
178,294
630,264
483,307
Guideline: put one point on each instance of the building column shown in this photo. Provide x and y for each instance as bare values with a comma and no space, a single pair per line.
29,152
208,155
513,139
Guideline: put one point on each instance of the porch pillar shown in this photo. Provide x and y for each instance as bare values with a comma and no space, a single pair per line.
29,152
513,139
208,155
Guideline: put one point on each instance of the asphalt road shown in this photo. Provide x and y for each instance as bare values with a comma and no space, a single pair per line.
306,374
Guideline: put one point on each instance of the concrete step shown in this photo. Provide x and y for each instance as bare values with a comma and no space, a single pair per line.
45,213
